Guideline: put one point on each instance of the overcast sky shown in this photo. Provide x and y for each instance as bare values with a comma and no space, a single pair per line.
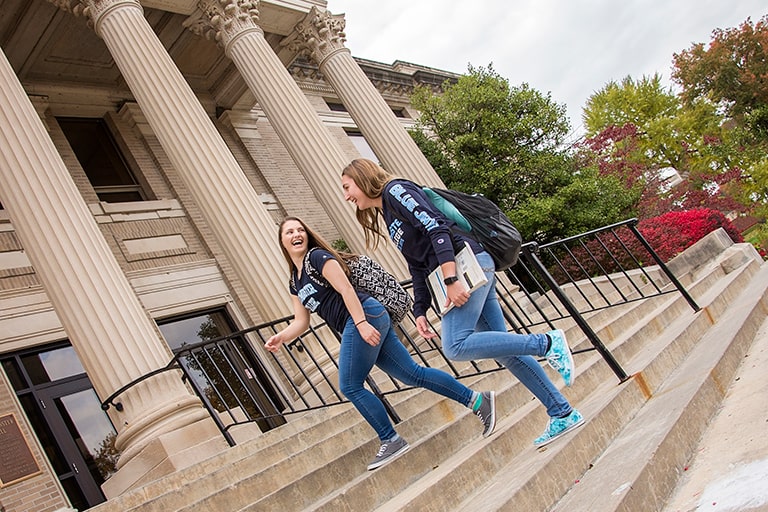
569,49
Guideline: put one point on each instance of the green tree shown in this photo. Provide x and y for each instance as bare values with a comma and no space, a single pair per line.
668,134
589,201
640,130
638,102
483,135
508,143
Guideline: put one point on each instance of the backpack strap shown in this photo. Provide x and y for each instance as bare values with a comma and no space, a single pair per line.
312,272
448,209
461,225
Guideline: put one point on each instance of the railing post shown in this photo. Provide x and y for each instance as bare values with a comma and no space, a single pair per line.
663,266
390,410
529,252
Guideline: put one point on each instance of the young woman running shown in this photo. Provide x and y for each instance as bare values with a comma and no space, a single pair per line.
367,337
475,327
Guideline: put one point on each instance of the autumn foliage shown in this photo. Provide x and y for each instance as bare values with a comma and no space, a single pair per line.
671,233
619,250
618,151
731,70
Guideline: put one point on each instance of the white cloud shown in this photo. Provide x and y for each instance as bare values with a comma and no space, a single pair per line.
567,48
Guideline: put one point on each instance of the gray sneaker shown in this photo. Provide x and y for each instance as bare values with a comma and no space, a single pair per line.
388,452
487,412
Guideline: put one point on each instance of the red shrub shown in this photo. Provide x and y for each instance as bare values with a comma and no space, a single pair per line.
673,232
614,251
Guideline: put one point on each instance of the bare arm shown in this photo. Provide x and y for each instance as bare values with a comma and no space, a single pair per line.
298,325
334,274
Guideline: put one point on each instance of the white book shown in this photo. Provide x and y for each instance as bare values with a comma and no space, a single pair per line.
469,272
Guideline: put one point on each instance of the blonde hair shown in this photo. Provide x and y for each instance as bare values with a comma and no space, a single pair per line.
371,179
313,240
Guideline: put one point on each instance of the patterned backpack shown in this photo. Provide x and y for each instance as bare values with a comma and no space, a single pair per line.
366,275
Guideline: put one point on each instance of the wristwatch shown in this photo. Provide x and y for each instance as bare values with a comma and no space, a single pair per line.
450,280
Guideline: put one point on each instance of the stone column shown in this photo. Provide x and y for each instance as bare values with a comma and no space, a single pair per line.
321,36
113,336
233,23
243,227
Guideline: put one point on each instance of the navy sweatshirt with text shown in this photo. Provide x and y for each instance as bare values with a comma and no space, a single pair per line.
421,233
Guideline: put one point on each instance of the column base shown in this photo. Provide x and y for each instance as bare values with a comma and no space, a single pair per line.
167,454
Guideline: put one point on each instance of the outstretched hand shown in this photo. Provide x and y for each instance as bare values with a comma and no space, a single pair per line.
273,343
423,327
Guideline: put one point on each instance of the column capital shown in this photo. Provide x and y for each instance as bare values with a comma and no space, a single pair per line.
76,7
93,10
224,20
320,35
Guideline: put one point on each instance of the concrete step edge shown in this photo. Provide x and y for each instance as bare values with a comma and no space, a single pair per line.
698,385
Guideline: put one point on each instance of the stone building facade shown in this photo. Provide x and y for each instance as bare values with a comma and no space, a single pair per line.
148,149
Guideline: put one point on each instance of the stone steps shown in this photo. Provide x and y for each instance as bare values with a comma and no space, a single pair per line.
318,461
595,392
641,467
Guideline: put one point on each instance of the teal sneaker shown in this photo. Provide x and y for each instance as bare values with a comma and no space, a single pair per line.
559,426
560,357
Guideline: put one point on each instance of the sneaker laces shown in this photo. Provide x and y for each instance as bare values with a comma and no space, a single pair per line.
382,449
556,362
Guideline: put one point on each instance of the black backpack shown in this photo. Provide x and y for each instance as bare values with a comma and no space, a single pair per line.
482,220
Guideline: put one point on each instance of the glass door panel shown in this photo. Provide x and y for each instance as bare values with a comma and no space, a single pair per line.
83,433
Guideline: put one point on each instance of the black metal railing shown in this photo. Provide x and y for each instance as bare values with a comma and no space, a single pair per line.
240,382
594,271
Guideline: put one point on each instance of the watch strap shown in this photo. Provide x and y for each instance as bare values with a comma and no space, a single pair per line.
450,280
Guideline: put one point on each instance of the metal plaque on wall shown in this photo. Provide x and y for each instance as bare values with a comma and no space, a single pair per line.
16,459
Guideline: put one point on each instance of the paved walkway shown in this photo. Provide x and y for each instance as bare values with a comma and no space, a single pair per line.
730,470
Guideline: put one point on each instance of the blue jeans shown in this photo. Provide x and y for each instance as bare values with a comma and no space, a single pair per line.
477,330
356,359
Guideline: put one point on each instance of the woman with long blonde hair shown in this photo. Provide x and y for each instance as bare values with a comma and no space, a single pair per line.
475,327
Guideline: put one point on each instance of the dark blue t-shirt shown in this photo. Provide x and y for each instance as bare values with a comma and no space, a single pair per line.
421,233
316,293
